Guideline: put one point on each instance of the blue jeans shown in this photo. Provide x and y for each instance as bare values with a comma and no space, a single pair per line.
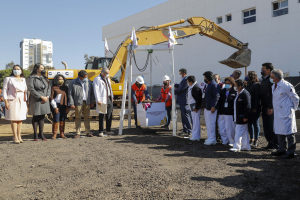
2,113
185,115
61,116
253,125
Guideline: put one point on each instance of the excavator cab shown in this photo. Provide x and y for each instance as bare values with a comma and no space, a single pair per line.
98,63
239,59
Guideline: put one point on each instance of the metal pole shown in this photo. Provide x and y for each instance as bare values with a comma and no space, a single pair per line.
151,75
174,116
124,97
129,86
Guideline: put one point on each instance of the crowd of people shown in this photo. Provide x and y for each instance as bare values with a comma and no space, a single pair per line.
231,109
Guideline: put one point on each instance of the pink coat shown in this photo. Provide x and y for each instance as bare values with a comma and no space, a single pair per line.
9,90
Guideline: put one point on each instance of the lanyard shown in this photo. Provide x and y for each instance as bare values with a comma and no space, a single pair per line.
227,93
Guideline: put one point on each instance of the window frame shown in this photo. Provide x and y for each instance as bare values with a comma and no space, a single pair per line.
218,20
248,10
227,17
280,8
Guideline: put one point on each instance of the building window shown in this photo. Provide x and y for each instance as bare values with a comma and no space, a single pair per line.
280,8
250,16
228,18
219,20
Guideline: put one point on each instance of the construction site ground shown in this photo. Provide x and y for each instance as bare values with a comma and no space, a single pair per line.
141,164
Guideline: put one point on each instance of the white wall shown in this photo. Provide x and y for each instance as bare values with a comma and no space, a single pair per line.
271,39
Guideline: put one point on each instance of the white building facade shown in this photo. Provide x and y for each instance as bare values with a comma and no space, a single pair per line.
270,27
36,51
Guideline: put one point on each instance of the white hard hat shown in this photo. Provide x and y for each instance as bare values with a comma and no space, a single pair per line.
166,78
140,80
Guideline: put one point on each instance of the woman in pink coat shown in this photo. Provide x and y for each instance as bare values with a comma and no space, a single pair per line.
15,97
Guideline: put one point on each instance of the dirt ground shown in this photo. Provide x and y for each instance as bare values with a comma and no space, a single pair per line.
141,164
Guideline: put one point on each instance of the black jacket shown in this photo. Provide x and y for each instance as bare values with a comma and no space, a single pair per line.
266,93
254,90
197,95
242,107
230,99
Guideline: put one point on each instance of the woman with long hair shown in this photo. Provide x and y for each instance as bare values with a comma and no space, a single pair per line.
253,87
39,106
59,102
15,97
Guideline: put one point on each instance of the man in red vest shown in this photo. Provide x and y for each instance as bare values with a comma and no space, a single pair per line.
139,93
166,96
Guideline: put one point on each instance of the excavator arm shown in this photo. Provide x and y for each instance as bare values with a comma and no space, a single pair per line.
197,25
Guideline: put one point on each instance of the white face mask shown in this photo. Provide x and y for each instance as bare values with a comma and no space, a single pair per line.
17,72
107,76
235,88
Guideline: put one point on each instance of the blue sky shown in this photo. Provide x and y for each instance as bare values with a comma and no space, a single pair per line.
74,27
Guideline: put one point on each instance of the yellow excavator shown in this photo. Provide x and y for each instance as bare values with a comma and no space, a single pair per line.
159,34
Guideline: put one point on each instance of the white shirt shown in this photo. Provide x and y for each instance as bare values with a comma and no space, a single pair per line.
190,99
83,90
55,101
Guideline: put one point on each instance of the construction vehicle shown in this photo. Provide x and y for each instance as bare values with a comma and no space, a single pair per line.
157,35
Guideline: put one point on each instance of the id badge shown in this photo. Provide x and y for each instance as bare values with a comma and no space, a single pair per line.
203,95
226,105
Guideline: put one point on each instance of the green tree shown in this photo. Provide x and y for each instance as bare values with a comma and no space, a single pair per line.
9,65
88,58
30,68
5,73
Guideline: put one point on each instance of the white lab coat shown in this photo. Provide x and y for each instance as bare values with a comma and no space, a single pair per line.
100,91
285,102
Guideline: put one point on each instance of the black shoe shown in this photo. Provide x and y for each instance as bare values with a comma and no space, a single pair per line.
278,153
254,143
269,147
251,142
288,156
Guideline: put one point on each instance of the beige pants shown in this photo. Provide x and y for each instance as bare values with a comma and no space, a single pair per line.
85,109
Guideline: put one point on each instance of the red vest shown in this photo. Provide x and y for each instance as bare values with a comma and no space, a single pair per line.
164,95
139,92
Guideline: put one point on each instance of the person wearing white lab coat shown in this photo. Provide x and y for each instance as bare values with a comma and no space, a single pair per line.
104,95
285,102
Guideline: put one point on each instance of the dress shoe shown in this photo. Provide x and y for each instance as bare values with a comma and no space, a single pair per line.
89,135
278,153
269,147
234,150
288,156
251,142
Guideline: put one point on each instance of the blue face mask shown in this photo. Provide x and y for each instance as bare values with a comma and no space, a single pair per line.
227,86
272,81
231,75
246,78
85,80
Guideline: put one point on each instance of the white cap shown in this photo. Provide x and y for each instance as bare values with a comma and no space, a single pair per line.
140,80
166,78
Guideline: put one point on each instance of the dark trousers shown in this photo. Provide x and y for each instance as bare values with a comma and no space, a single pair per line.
253,125
169,109
291,143
108,117
268,122
134,111
218,136
185,115
61,116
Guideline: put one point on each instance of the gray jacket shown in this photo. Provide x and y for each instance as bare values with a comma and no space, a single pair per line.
75,93
38,86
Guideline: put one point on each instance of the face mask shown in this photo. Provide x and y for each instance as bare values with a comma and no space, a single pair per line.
17,72
85,80
165,83
262,72
235,88
271,80
227,86
43,72
231,75
246,78
61,82
107,76
205,81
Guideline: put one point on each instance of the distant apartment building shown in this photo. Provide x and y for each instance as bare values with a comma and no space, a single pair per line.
36,51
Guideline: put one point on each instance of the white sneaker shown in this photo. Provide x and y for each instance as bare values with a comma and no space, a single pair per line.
210,143
102,135
194,139
234,150
231,145
244,149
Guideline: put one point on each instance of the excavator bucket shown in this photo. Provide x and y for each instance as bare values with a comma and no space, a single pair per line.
239,59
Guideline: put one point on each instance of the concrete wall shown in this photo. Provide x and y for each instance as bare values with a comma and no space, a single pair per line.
272,39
